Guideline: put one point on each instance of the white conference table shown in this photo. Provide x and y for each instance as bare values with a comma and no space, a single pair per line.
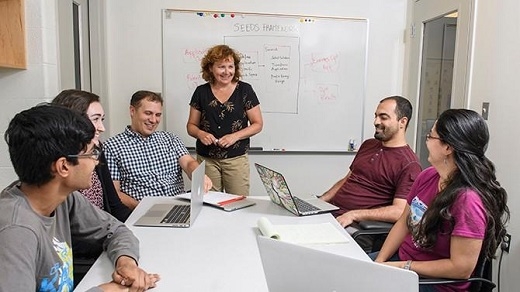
218,253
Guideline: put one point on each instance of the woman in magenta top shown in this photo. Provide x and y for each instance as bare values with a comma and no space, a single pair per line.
456,208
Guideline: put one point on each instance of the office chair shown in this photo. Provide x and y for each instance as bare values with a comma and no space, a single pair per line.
481,280
366,231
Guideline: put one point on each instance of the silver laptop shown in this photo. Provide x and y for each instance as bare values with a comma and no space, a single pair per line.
325,271
178,213
279,192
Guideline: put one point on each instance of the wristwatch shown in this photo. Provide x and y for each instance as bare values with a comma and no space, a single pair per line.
408,265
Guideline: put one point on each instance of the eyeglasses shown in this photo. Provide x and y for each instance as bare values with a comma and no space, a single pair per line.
94,155
429,136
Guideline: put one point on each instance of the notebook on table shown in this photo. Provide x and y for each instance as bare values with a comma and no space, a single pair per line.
178,213
224,201
278,190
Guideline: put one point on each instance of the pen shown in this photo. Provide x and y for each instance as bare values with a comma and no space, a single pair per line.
230,201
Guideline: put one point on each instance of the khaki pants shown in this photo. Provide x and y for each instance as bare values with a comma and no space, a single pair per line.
230,175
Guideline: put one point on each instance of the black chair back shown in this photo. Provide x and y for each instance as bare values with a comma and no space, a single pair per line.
483,276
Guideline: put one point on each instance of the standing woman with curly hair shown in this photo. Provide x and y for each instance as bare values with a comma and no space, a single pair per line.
224,114
456,208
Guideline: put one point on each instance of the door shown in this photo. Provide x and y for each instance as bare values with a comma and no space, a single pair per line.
438,74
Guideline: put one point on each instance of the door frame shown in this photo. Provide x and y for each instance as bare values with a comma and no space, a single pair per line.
422,11
67,64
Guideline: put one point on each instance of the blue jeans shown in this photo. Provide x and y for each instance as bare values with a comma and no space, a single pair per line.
395,258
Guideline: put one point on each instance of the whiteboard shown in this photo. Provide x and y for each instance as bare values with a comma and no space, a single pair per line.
307,71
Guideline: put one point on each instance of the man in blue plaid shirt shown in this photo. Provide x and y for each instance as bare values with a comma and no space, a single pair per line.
145,162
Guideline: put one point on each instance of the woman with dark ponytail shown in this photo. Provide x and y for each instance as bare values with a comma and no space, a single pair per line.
456,209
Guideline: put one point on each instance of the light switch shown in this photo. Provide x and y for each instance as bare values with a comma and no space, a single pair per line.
485,110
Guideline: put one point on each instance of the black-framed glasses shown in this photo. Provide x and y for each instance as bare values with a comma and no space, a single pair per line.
94,154
429,136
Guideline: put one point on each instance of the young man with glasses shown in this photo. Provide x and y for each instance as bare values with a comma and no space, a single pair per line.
53,155
94,154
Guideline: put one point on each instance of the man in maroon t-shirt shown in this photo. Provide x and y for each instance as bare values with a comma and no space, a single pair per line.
383,171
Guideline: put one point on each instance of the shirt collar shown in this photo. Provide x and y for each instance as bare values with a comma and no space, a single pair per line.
129,132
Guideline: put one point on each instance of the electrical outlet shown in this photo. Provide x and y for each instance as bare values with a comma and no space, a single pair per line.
485,110
506,242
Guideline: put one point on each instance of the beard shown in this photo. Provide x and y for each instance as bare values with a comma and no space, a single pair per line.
379,136
384,134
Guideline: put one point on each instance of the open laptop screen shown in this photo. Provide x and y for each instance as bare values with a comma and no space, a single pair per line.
276,187
197,191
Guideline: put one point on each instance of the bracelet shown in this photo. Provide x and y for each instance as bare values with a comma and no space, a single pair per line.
408,265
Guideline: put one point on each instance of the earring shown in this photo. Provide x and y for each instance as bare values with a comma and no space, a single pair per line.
445,161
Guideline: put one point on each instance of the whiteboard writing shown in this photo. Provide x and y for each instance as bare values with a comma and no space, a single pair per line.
308,73
274,69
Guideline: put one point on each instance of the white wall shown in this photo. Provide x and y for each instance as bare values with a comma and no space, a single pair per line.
134,50
494,79
133,61
21,89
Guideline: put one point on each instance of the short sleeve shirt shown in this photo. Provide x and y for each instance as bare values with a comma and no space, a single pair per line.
378,175
469,218
221,119
146,166
468,212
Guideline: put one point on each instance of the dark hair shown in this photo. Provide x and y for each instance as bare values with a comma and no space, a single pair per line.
403,107
216,54
135,101
39,136
77,100
467,133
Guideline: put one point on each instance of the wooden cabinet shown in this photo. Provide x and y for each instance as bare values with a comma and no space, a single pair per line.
12,34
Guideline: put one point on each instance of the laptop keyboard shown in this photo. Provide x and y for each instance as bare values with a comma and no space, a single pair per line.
178,213
304,206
